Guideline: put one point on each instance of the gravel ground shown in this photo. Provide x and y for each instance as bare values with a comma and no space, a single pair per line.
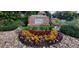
68,42
9,39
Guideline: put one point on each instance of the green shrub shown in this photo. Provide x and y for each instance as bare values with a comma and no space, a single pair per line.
70,30
8,27
20,23
74,22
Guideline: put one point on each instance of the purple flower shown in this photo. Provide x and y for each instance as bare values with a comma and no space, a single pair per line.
42,40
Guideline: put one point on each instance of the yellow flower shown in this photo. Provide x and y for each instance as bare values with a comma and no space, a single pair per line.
36,41
55,32
35,37
32,38
46,38
27,37
52,37
40,36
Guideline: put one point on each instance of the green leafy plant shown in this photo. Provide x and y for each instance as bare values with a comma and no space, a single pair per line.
44,27
70,30
56,22
37,27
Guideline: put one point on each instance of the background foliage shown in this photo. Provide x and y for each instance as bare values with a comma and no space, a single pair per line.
13,18
67,15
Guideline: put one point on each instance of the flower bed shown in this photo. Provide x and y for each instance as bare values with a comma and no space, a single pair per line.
33,39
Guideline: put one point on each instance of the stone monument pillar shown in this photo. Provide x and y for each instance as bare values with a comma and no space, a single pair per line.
37,20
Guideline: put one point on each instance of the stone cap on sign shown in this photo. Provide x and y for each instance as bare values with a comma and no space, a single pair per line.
36,20
38,16
41,13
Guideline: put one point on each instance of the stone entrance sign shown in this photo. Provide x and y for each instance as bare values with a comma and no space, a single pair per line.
35,20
